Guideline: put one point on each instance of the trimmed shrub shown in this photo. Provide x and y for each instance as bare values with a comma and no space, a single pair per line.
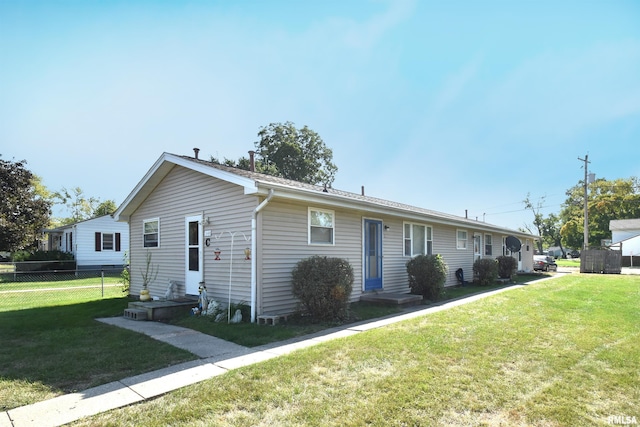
427,276
507,266
486,269
323,285
42,256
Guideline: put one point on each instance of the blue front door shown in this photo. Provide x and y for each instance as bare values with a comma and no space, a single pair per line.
372,255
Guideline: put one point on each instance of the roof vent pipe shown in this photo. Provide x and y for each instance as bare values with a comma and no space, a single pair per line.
195,152
466,214
362,189
252,163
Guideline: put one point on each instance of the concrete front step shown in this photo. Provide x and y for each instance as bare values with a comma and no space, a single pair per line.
393,299
159,310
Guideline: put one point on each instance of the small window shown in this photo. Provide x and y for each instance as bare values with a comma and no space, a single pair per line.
418,239
461,241
321,227
107,241
488,246
151,233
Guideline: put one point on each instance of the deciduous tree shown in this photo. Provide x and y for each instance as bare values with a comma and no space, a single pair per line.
607,200
298,154
25,210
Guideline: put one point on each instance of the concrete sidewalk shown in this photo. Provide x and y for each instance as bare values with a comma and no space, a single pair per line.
217,357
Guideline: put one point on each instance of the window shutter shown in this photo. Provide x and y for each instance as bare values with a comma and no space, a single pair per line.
117,242
98,241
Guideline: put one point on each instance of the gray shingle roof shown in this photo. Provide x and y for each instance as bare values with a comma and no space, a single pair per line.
264,179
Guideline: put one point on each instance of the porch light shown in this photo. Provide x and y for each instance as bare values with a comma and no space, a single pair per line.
247,253
217,253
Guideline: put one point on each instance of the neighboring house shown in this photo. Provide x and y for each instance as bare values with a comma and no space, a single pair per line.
95,243
626,233
242,232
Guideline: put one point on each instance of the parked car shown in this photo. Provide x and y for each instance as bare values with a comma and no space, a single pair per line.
574,253
544,263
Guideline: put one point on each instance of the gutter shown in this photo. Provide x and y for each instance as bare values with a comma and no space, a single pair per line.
254,260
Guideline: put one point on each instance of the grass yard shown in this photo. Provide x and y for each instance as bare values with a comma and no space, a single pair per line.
60,348
561,352
568,262
252,335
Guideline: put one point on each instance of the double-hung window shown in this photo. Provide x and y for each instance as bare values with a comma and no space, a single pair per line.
461,239
418,239
488,247
321,226
107,241
151,233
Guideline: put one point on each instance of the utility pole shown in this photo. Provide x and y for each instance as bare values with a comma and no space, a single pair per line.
585,244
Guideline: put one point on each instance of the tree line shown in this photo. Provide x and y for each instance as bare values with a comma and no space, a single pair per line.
606,200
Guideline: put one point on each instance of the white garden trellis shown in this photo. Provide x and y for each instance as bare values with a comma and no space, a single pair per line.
233,235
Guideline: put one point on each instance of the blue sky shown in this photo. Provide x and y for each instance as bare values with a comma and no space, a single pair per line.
446,105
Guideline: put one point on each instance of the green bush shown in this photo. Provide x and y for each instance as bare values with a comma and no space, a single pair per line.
486,270
41,256
427,276
507,266
323,285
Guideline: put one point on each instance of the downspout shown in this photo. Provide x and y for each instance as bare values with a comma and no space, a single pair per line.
254,260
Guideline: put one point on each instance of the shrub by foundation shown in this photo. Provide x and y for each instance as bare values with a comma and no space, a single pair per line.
323,285
486,270
427,276
507,266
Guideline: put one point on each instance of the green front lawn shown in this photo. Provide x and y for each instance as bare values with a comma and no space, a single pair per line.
57,349
568,262
563,352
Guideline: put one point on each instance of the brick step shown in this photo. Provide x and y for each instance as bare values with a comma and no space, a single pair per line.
135,314
271,319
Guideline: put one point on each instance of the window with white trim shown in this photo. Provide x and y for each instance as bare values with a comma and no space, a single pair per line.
418,239
321,226
488,246
461,239
151,233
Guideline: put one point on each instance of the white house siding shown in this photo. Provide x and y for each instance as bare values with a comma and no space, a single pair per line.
84,242
285,242
185,193
79,239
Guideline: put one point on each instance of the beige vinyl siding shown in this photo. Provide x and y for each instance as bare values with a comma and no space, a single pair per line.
185,193
394,269
285,241
444,243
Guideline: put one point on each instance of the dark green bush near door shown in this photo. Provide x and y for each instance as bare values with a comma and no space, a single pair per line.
507,266
427,276
486,270
323,285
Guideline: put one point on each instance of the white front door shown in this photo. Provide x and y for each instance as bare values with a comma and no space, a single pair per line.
477,247
193,254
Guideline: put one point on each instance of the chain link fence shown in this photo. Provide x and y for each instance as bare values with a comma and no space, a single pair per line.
27,285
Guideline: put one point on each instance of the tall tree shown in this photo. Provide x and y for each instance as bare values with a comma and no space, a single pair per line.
607,200
24,211
538,218
298,154
81,206
105,208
